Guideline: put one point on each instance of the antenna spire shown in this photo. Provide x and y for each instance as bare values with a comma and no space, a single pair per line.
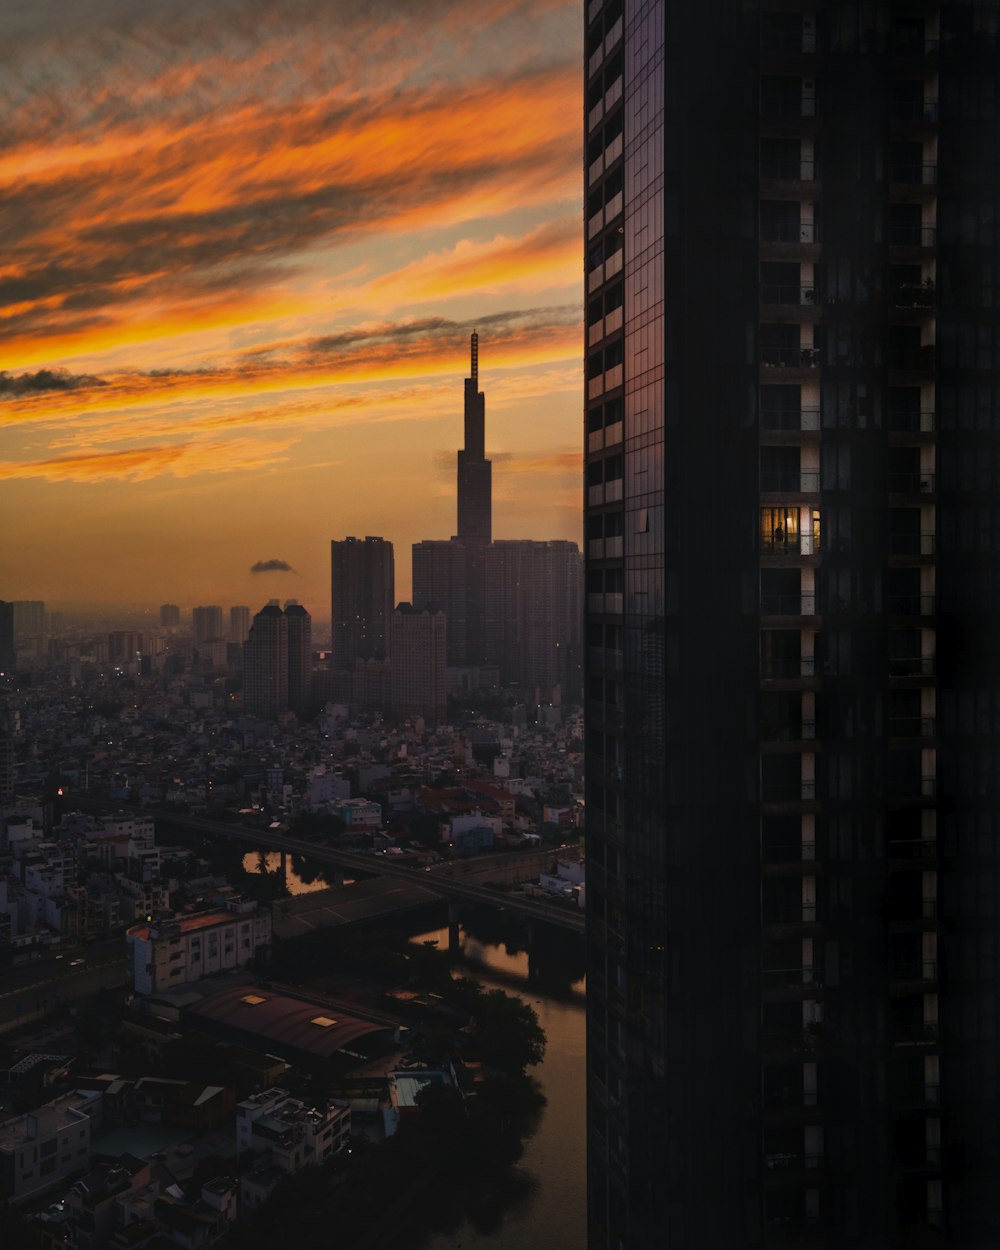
475,356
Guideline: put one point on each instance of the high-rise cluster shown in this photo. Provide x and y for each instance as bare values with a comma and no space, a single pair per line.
792,462
277,660
504,613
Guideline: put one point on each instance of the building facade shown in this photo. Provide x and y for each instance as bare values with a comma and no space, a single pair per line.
362,593
299,626
170,615
439,568
792,458
418,678
207,623
172,952
239,623
265,663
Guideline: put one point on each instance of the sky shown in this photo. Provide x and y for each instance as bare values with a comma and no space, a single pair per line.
245,243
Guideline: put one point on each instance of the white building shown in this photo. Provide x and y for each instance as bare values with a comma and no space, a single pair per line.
169,953
326,786
288,1135
41,1149
358,813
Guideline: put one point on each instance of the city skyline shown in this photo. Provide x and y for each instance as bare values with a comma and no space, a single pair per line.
215,306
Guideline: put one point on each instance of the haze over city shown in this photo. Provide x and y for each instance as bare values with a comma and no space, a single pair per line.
247,247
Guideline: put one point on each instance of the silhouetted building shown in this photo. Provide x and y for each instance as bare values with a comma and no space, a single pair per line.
475,506
207,623
419,659
7,756
299,626
170,615
124,646
533,601
362,591
793,457
8,652
265,663
439,570
239,624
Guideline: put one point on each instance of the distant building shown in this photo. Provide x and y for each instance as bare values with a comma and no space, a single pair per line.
358,813
41,1149
125,646
419,662
207,623
265,663
7,757
362,591
439,581
170,615
299,629
7,648
169,953
239,624
29,619
533,605
288,1135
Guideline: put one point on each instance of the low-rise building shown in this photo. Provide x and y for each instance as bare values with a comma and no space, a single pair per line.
358,813
178,951
288,1136
41,1149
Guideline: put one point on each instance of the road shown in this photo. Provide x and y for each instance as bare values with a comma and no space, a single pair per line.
443,879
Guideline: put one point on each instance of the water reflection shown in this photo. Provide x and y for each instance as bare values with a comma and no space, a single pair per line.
554,1215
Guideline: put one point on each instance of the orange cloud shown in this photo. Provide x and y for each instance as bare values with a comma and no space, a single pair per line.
140,464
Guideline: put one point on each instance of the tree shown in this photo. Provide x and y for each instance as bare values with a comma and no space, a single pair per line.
508,1033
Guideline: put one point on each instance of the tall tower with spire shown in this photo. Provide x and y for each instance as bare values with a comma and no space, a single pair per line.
475,472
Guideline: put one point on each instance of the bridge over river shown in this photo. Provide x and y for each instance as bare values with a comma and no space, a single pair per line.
442,879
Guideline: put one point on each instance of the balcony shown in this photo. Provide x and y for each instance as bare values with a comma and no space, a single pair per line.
912,605
915,483
806,419
912,236
911,544
789,853
789,482
610,603
779,169
911,666
913,174
787,293
788,232
797,914
909,851
787,978
913,970
903,422
924,1033
920,111
794,546
788,792
911,726
904,788
778,668
912,359
788,605
789,357
909,296
605,548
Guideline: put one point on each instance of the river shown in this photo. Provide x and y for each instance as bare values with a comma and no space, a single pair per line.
554,1216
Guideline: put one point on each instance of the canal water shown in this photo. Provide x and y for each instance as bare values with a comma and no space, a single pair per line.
554,1214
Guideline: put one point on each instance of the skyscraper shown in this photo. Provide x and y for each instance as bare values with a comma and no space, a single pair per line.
8,651
207,623
239,623
475,506
170,615
439,569
299,627
532,600
265,663
792,444
417,669
362,592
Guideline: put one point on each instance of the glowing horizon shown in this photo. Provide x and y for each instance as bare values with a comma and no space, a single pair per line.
246,253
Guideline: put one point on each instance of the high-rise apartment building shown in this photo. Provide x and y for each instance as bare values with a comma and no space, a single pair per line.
239,624
439,580
418,679
265,663
532,602
793,677
299,627
207,623
170,615
8,650
125,646
362,592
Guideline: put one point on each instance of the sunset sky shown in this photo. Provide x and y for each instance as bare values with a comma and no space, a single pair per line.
245,243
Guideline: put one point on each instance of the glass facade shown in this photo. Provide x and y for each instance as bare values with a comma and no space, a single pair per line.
793,675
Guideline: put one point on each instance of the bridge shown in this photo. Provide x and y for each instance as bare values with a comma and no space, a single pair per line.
437,879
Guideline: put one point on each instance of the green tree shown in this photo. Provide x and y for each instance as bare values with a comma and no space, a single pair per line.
509,1036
